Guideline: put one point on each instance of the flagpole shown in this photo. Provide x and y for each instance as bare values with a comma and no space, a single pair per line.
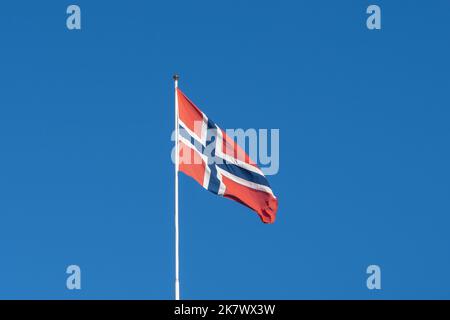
177,267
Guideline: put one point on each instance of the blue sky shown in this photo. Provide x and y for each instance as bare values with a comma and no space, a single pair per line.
85,170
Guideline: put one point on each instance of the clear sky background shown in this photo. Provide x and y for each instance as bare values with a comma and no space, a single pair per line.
85,171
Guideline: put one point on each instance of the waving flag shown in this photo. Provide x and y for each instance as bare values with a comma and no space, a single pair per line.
219,164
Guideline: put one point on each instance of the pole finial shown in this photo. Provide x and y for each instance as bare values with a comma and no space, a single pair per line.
176,77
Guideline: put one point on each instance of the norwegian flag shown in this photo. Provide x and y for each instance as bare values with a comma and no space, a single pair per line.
219,164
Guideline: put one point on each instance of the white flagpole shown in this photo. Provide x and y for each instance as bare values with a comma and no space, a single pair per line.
177,267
